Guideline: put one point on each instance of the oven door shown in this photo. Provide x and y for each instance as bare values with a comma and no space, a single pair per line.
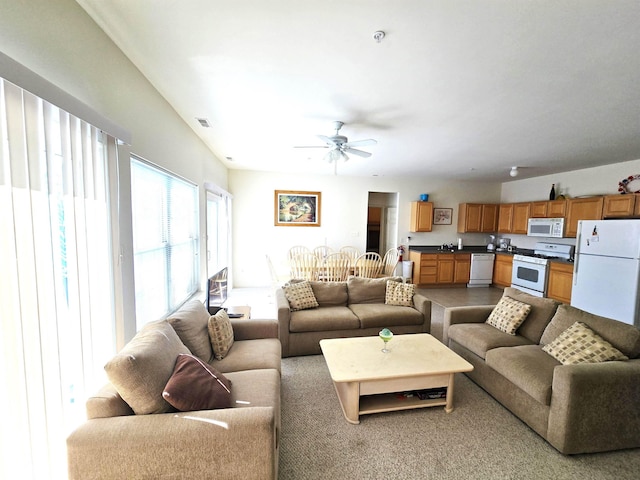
529,277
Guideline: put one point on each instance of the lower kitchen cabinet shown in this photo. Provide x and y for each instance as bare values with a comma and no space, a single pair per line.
502,268
441,269
560,281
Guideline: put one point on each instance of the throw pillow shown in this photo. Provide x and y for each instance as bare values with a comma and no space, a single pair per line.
300,296
195,385
508,315
580,344
220,334
191,323
142,368
398,293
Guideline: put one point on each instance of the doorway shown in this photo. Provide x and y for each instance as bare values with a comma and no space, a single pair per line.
382,221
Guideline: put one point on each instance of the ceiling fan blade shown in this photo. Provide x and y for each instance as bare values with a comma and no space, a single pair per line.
359,153
361,143
310,146
325,139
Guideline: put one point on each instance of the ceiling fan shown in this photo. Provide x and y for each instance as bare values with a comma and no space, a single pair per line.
339,146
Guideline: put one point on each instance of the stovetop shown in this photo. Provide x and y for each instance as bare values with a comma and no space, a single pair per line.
546,251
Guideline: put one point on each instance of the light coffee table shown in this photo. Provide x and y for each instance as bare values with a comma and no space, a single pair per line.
369,381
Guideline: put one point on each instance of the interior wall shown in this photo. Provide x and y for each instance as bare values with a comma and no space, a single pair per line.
343,215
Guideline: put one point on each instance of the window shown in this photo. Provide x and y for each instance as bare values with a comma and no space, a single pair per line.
165,240
56,287
218,216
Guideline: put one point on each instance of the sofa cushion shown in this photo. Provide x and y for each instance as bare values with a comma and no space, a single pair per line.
191,324
527,367
482,337
508,315
194,385
323,319
330,294
382,315
300,295
580,344
143,367
398,293
220,334
622,336
251,355
542,310
368,290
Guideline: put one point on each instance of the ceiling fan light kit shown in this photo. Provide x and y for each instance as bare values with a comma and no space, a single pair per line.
514,171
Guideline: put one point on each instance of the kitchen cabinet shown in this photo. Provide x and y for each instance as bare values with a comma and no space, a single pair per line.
502,268
477,217
421,217
556,208
539,209
560,281
514,217
441,269
582,209
619,206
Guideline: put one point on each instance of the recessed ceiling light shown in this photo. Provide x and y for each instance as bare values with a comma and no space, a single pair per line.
203,122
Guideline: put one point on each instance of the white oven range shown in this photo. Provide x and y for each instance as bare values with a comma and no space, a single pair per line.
530,272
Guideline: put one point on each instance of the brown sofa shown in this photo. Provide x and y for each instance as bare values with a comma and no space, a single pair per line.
237,442
354,308
586,407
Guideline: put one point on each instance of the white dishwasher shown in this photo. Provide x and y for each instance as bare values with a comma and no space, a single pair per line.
481,269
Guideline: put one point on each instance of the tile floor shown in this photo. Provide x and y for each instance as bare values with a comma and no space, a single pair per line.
262,301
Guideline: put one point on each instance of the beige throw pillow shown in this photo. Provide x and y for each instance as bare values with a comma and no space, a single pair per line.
300,296
140,371
508,315
580,344
220,334
399,293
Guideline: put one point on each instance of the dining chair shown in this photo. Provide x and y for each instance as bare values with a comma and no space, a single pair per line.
335,267
305,266
352,252
368,265
296,250
322,251
389,262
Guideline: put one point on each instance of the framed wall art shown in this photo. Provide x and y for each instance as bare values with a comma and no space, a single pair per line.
297,209
442,216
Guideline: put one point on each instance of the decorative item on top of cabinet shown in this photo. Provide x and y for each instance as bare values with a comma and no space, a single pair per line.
589,208
619,206
477,217
502,269
421,217
560,281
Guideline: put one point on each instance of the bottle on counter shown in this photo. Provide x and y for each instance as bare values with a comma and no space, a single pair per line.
552,193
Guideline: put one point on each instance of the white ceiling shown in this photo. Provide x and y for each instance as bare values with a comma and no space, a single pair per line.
458,89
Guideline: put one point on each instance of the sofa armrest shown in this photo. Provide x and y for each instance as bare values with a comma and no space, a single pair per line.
465,314
254,328
423,305
227,443
594,407
284,317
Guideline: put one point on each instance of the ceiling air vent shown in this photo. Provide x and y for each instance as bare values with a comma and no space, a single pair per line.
204,122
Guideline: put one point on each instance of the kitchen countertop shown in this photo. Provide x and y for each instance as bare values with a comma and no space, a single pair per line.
434,249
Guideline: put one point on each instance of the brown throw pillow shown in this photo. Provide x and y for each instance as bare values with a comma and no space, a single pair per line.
508,315
399,293
195,385
300,296
580,344
220,334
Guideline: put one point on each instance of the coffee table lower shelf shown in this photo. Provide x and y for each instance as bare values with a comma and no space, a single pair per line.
389,402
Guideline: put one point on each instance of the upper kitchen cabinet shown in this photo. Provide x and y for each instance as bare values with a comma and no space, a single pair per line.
477,217
514,217
582,209
556,208
539,209
421,216
619,206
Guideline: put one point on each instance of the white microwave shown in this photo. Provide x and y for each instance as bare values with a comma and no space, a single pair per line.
546,227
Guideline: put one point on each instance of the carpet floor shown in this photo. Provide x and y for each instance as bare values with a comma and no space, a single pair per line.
480,439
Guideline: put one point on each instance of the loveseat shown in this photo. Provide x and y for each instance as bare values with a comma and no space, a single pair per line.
353,308
577,408
147,437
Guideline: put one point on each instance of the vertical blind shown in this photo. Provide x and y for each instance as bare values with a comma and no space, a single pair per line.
56,294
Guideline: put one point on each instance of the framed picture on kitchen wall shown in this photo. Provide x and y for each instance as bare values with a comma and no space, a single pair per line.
442,216
297,209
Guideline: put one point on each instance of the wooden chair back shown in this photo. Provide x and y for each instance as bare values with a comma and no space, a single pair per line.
305,266
352,252
297,250
389,262
322,251
335,268
368,265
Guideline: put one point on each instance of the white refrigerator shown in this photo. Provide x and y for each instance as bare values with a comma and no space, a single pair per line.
606,274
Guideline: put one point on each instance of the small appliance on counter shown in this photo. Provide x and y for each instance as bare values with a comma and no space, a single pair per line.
491,246
504,244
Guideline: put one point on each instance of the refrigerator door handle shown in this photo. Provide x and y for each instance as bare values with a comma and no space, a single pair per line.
576,257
